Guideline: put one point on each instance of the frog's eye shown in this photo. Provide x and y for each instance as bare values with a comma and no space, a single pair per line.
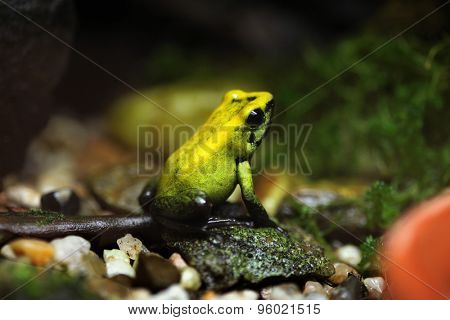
255,118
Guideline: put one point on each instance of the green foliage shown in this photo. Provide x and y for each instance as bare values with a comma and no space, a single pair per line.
382,205
385,119
368,254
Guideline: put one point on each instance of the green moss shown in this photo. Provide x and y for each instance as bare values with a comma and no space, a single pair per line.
23,281
231,254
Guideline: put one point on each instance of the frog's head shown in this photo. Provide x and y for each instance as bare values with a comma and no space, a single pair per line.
248,116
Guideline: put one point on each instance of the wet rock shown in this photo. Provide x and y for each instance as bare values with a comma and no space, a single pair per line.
131,246
69,252
65,201
349,254
155,272
375,287
228,255
328,209
174,292
190,279
351,289
118,189
117,263
239,295
313,287
23,195
342,272
285,291
38,252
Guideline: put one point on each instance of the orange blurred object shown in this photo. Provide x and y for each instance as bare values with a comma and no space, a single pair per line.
417,252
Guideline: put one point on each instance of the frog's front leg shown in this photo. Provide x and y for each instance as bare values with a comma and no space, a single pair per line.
252,203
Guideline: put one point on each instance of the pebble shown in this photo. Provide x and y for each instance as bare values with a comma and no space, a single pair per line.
64,200
131,246
174,292
350,289
316,296
349,254
177,260
155,273
375,286
69,252
341,272
313,287
117,263
92,265
7,252
24,195
286,291
190,279
239,295
39,252
139,294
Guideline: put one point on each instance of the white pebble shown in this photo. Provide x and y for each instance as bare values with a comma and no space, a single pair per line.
190,279
117,262
174,292
316,296
69,252
239,295
24,195
8,252
313,287
286,291
130,245
375,286
177,260
349,254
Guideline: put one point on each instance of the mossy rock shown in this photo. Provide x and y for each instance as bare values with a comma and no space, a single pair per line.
229,255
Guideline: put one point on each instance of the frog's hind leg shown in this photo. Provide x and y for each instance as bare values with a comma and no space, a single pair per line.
186,212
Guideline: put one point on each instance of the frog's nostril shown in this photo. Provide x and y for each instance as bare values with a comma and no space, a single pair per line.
270,105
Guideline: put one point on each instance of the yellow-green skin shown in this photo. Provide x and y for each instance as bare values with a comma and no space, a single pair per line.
216,158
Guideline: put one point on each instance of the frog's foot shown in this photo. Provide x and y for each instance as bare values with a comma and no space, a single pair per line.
218,222
267,223
181,227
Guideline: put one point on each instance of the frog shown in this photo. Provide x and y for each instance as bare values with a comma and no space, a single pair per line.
203,172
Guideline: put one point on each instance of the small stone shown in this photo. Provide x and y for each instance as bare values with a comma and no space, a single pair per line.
349,254
39,252
313,287
130,245
350,289
177,260
117,263
8,252
239,295
174,292
341,272
155,272
316,296
190,279
375,286
209,295
139,294
327,289
24,195
92,264
266,293
69,252
286,291
65,201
